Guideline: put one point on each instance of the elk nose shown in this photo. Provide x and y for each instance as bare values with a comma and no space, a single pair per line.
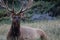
17,18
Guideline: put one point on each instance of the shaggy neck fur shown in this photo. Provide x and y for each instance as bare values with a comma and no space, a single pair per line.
15,29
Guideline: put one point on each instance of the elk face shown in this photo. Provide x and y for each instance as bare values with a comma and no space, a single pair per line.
15,18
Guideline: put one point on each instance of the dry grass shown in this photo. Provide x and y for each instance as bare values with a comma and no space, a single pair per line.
52,28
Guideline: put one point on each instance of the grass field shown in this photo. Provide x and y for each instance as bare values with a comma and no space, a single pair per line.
52,28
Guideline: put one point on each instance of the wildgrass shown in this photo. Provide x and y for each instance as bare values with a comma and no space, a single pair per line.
51,27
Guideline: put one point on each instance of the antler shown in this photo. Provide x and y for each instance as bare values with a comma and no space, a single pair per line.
2,4
28,5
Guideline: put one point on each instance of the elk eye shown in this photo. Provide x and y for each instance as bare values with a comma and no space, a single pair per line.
18,17
14,17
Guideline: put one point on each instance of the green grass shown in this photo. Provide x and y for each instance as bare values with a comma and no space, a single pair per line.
52,28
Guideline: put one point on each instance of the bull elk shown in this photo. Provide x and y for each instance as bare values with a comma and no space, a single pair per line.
17,32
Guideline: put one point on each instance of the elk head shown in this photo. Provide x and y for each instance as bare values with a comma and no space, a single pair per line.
16,16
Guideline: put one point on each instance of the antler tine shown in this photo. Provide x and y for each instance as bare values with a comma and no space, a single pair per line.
2,4
23,9
20,9
13,4
6,5
28,5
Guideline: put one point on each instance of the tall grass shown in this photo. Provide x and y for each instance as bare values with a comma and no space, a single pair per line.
51,27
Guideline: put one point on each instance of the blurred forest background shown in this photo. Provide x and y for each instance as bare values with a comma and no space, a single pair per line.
44,14
41,9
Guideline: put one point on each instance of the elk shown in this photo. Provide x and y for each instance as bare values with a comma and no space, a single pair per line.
17,32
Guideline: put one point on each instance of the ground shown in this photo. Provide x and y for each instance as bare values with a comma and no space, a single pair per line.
51,27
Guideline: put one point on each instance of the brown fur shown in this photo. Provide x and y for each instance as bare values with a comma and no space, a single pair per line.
28,33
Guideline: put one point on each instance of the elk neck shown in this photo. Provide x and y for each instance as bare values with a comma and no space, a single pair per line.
15,29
